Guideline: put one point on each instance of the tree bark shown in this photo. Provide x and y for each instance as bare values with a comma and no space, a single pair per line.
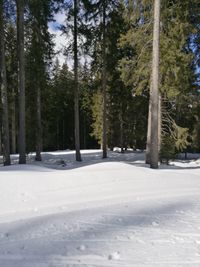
39,126
85,133
13,124
76,86
104,78
57,133
148,145
154,97
21,81
0,142
159,123
4,99
121,130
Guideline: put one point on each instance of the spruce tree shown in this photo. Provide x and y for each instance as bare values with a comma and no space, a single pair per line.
75,28
3,83
39,57
154,96
176,55
21,80
11,67
76,85
98,12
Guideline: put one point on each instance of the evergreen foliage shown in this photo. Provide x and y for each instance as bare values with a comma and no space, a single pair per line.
113,74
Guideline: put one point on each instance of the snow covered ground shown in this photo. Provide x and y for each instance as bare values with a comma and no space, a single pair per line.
113,212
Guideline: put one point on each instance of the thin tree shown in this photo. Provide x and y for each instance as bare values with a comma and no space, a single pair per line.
0,141
39,142
148,144
3,83
104,122
76,85
154,96
11,66
21,80
13,124
38,156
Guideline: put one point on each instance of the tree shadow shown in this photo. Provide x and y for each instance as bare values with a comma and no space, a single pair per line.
65,160
162,166
41,240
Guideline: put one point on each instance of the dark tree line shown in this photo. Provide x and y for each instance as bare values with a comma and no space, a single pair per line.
134,82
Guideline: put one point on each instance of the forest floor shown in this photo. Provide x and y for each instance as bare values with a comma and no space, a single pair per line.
112,212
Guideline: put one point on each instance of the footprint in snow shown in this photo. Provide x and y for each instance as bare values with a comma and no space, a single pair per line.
119,220
82,248
155,223
131,237
114,256
7,235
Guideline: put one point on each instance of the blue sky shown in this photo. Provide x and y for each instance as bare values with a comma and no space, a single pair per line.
60,39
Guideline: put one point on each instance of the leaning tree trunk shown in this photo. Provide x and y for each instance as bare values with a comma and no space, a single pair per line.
21,81
4,100
104,119
154,97
76,86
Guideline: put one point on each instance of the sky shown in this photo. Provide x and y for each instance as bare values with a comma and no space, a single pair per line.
59,39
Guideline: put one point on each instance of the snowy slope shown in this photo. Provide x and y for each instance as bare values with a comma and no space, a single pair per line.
115,212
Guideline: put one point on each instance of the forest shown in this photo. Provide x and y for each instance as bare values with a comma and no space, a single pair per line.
103,94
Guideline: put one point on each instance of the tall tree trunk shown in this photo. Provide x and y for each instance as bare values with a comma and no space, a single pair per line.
154,97
63,134
85,133
57,133
76,86
39,125
21,81
13,124
104,122
159,123
4,100
148,145
0,142
121,130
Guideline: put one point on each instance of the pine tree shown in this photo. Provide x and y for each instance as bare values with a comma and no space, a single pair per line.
154,97
75,27
39,56
99,12
59,110
21,80
3,82
176,55
76,85
11,67
104,82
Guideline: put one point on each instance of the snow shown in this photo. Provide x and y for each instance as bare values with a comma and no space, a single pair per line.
111,212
